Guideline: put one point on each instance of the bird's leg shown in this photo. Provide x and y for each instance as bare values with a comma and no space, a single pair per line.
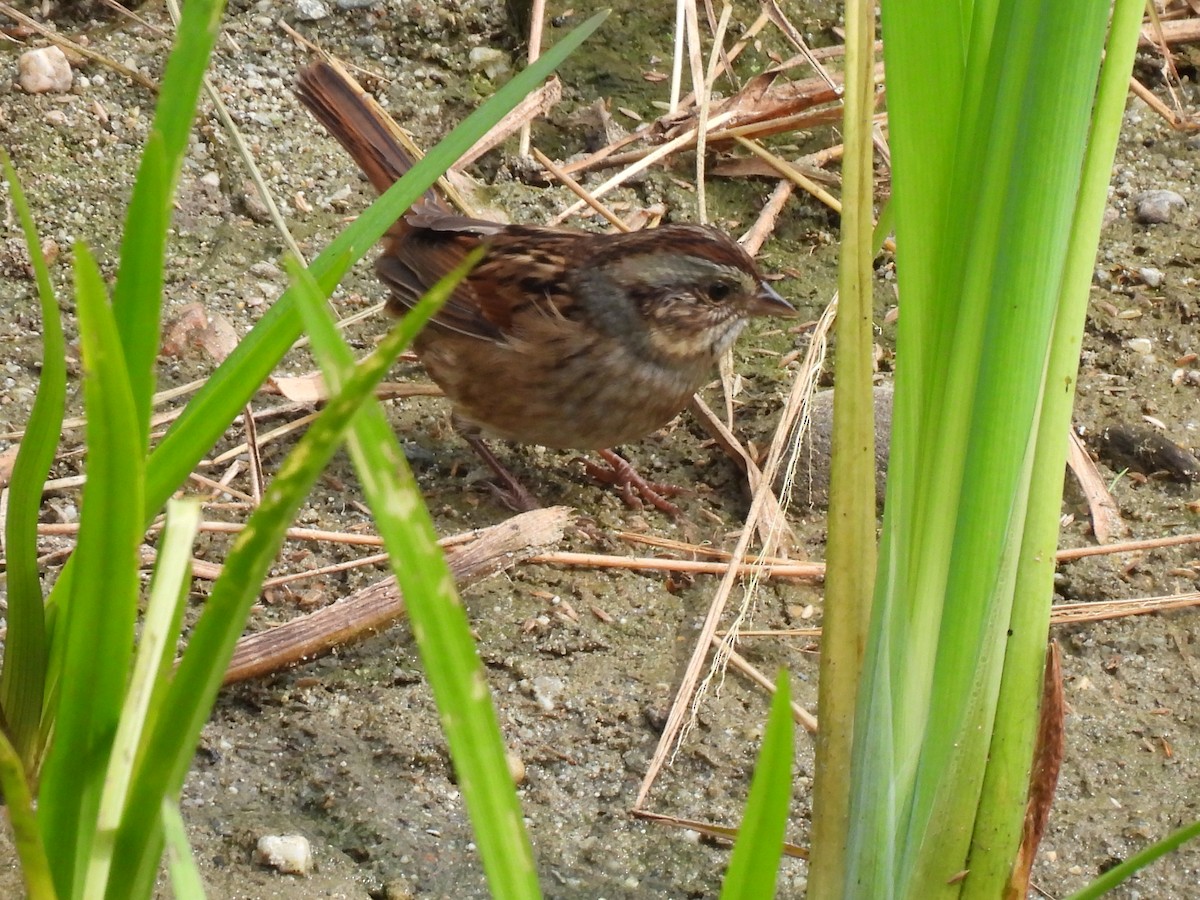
509,490
633,488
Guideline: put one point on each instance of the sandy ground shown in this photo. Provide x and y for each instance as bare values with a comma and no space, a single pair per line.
347,750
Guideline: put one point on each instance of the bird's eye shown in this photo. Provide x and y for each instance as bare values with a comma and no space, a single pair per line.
719,290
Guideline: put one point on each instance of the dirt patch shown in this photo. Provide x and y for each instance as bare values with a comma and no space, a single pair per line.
347,750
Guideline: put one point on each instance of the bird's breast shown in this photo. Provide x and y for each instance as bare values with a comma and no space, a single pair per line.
569,389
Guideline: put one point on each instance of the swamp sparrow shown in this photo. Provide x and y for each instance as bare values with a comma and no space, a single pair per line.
558,337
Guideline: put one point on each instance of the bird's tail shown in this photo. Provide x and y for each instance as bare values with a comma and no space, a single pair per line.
357,121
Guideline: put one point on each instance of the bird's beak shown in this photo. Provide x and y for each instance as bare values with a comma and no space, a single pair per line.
768,303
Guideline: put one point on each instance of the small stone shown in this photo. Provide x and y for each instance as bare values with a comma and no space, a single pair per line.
399,889
516,767
44,71
811,485
311,10
286,853
252,204
1144,346
490,61
546,691
1155,207
1151,277
265,269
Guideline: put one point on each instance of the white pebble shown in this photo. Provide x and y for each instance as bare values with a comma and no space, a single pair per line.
547,690
44,71
311,10
1151,277
490,61
287,853
1140,345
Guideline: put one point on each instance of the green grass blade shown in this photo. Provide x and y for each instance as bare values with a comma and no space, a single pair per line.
754,866
137,296
18,803
1137,862
235,381
97,623
186,883
168,595
23,683
167,751
164,674
439,622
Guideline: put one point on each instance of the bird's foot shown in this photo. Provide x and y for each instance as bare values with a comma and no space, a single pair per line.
635,490
507,487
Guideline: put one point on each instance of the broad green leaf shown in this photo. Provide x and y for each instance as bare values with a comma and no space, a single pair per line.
997,831
986,177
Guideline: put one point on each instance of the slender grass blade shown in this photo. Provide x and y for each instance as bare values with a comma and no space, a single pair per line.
164,611
137,297
167,751
23,683
438,619
186,882
754,866
96,625
18,803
